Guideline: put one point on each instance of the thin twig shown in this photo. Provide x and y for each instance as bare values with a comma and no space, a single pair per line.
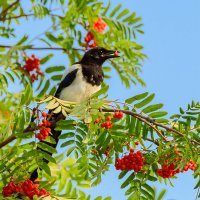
150,120
29,15
153,127
43,48
154,141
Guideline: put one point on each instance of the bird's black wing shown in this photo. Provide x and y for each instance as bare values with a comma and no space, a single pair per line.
69,78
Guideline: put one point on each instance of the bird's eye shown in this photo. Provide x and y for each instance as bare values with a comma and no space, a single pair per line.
101,52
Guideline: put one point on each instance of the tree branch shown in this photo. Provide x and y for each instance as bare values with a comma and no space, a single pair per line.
8,140
43,48
150,122
3,13
27,15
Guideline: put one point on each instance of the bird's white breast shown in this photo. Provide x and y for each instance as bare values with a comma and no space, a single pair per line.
79,88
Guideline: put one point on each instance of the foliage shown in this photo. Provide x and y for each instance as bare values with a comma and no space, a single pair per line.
80,160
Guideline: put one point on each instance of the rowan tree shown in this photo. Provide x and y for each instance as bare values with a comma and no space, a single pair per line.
136,136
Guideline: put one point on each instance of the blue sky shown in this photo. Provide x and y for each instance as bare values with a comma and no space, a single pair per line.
172,43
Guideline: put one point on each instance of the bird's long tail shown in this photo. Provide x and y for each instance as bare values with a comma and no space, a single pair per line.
55,134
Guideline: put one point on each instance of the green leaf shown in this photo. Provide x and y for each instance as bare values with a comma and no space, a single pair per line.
46,58
145,101
148,188
69,187
123,13
56,77
69,142
106,9
46,147
181,110
45,88
98,198
55,69
64,127
152,108
197,185
69,151
115,10
67,135
47,157
122,174
161,195
45,167
158,114
103,90
147,194
24,39
137,97
128,180
51,37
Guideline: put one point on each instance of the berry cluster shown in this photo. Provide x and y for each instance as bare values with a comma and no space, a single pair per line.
33,63
118,115
108,123
99,25
90,40
44,128
169,170
132,161
190,165
27,188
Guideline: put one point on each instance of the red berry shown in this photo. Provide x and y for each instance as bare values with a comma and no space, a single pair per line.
44,114
97,120
116,53
108,118
44,121
40,125
136,142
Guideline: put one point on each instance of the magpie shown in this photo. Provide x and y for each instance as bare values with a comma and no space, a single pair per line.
78,83
84,78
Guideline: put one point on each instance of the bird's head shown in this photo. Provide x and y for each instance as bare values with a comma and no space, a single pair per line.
98,55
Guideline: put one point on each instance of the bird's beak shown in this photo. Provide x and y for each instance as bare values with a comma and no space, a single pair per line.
111,54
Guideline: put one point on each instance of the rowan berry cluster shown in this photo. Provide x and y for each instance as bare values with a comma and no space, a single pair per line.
132,161
118,115
90,40
99,25
108,123
44,128
169,170
32,65
25,188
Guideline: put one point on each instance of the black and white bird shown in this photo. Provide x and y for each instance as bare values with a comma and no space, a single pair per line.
79,82
84,78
